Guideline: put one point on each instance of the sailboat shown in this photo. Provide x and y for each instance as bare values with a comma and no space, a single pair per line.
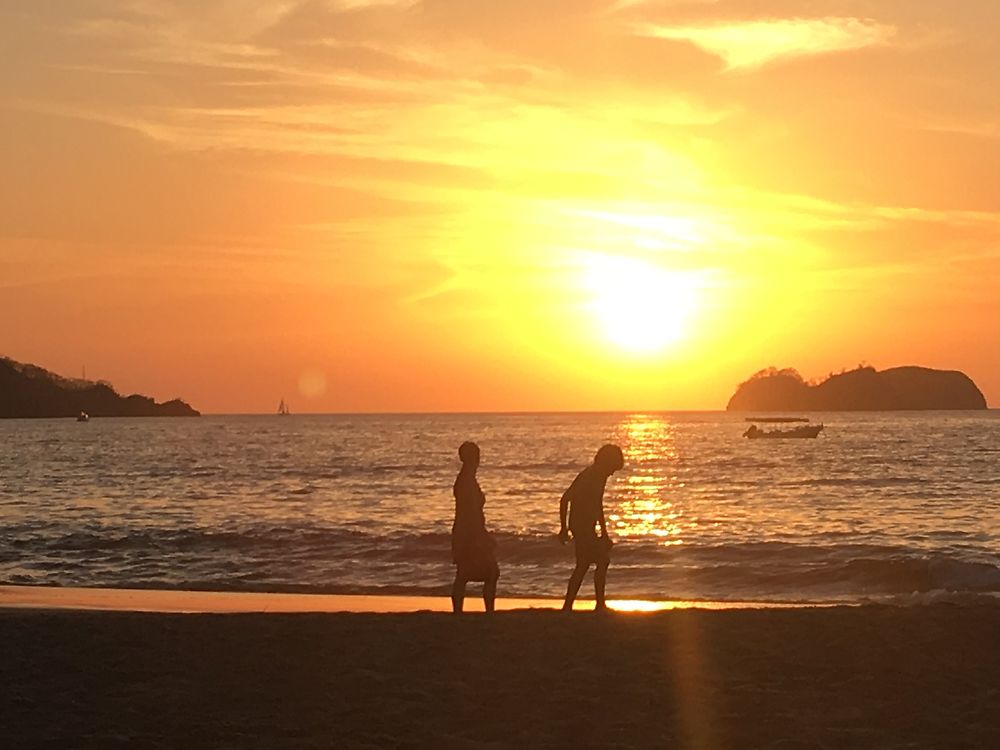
283,409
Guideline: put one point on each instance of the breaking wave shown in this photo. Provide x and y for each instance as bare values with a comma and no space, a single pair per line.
336,560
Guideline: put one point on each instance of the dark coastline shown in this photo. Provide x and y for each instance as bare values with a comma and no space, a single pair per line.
863,389
31,392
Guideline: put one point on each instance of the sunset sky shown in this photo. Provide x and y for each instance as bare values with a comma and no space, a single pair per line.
468,205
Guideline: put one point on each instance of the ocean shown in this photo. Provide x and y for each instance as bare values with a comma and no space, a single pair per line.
882,506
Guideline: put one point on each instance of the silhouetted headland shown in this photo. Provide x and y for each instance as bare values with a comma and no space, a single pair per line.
31,391
862,389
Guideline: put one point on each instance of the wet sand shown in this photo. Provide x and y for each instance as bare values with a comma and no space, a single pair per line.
872,677
220,602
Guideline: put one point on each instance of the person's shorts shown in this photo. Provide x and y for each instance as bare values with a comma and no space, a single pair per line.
478,570
592,550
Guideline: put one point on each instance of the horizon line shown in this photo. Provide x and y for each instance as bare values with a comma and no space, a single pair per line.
458,412
517,412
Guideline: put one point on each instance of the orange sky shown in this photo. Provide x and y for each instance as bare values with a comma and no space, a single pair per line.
461,205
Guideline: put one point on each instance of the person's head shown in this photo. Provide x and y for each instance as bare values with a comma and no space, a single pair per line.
609,459
469,453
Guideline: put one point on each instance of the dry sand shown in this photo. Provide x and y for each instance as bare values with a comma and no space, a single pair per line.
874,677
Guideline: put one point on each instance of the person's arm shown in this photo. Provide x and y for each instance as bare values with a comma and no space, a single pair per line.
602,521
563,508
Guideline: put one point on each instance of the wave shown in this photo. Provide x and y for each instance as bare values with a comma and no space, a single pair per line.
356,560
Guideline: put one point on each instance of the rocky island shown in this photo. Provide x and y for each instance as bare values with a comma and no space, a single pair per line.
862,389
31,391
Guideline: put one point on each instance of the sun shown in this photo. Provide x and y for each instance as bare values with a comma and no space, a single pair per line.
641,306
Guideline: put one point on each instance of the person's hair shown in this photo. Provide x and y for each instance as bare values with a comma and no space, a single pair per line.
610,458
468,451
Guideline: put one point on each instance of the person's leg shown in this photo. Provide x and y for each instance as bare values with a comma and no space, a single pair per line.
600,580
574,584
490,591
458,594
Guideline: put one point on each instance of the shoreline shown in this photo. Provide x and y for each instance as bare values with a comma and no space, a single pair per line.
167,601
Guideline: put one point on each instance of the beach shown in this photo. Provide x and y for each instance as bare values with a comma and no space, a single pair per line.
321,319
866,676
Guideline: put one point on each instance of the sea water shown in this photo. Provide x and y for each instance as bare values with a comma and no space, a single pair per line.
881,505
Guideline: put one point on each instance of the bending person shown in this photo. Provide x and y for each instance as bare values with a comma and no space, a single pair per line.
472,546
585,502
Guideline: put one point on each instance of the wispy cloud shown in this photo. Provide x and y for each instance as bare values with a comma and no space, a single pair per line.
752,44
976,128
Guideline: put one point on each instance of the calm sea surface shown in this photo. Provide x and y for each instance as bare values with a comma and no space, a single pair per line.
900,505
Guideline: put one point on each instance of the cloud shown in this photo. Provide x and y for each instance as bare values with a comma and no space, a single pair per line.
975,128
752,44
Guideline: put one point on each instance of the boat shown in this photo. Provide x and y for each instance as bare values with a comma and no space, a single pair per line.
800,431
83,417
775,420
283,409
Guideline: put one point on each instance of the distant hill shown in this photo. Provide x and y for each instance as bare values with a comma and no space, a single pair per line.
31,391
863,389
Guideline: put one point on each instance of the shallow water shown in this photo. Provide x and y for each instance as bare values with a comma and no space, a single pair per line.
880,505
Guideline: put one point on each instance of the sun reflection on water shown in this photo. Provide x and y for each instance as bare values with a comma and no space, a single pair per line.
643,507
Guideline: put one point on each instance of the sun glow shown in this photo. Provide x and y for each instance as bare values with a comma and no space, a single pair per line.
641,307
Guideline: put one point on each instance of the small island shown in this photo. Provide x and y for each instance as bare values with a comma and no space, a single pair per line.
31,391
861,389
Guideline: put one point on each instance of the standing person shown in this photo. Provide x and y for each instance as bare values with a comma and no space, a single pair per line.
585,502
472,546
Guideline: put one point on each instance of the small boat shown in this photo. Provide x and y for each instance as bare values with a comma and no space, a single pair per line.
801,431
283,409
83,417
775,420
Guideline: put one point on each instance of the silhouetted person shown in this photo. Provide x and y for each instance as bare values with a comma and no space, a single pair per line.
472,546
585,502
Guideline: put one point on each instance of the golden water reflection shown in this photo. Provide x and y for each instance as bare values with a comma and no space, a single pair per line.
642,505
